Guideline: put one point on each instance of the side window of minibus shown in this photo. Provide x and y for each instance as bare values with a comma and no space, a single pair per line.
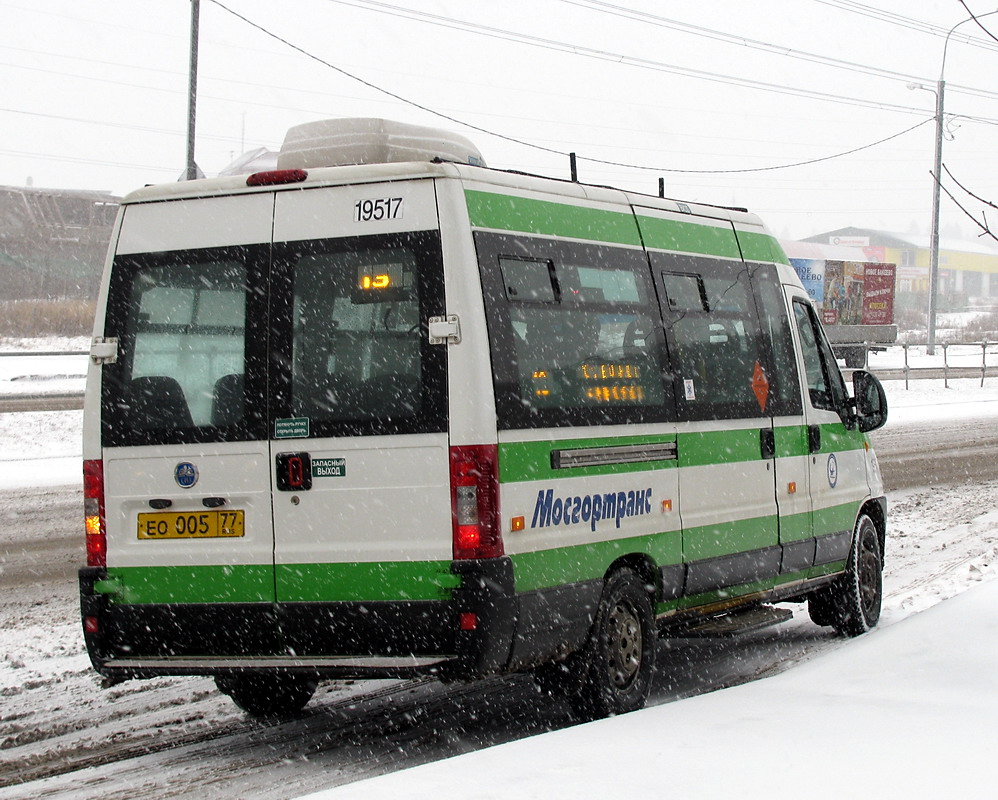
784,386
716,346
824,381
574,332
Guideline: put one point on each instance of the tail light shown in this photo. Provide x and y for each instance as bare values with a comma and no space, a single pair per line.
93,510
474,488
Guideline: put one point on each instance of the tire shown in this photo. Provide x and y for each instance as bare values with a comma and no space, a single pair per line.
619,660
268,694
852,604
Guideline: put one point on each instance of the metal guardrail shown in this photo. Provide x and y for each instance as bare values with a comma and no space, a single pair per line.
946,371
41,401
65,401
16,353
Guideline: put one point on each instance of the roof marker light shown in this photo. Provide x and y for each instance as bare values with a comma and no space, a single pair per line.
275,177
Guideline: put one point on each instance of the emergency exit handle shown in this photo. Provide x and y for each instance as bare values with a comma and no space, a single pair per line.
294,472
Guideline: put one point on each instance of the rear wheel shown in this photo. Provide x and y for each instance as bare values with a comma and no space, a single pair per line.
851,605
268,694
619,660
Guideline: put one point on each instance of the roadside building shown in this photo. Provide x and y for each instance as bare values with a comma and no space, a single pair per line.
53,241
968,268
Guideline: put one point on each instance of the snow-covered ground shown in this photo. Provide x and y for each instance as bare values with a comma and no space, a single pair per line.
902,712
907,711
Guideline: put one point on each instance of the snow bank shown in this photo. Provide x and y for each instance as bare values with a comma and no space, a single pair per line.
907,711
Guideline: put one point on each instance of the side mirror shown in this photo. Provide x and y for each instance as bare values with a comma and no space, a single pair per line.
870,400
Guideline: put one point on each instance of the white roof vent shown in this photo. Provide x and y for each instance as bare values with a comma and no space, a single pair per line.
339,142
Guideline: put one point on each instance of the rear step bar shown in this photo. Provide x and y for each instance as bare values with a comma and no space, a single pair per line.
752,619
340,666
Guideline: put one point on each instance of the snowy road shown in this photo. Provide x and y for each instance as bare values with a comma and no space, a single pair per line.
63,736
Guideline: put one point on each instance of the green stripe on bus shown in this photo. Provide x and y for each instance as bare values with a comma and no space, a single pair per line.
835,438
761,247
706,448
795,527
835,518
251,583
791,441
542,569
688,237
507,213
365,581
729,538
230,583
531,461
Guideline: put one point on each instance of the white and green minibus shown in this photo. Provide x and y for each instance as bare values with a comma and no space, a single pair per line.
384,411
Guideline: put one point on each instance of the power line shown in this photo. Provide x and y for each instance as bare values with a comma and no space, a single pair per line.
709,33
768,47
535,146
617,58
767,169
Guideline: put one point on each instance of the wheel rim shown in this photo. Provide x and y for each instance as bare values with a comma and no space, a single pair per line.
625,641
869,574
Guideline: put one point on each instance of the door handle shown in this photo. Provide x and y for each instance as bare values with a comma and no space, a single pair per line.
813,439
767,443
294,472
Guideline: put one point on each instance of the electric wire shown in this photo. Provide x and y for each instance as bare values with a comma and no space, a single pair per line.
534,145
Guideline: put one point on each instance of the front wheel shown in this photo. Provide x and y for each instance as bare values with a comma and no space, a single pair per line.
619,660
851,605
267,694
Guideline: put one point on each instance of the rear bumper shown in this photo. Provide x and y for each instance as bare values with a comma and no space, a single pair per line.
357,640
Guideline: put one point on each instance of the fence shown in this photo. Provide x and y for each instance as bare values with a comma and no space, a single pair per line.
971,358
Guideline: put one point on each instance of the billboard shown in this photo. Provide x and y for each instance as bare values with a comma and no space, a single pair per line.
849,292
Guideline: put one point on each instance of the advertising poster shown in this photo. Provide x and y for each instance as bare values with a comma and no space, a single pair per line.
878,294
811,272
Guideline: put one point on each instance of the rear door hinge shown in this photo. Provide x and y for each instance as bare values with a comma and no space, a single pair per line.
104,351
445,330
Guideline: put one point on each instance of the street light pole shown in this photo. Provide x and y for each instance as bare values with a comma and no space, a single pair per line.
192,92
936,182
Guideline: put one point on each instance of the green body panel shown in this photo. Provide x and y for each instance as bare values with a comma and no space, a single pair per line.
531,461
508,213
704,448
761,247
688,237
790,440
547,218
232,583
794,527
835,519
835,438
713,541
366,581
354,581
585,562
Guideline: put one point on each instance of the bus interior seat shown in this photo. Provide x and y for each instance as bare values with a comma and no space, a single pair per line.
227,400
158,401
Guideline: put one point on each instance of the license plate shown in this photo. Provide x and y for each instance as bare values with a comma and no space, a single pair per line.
192,525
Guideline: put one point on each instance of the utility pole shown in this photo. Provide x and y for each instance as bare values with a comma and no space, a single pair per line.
934,237
192,91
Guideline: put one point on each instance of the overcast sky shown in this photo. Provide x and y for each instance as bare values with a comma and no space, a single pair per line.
95,94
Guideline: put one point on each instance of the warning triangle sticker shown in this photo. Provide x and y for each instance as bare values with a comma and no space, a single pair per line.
760,385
